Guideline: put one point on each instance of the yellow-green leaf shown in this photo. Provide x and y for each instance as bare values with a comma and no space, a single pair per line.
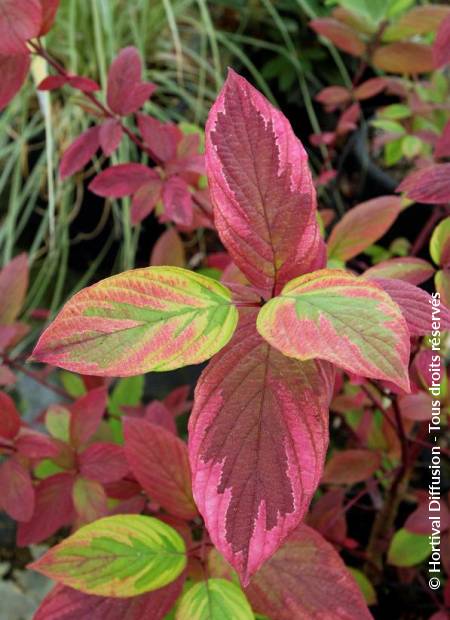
215,599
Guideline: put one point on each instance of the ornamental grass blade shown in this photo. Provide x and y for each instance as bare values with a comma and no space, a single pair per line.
153,319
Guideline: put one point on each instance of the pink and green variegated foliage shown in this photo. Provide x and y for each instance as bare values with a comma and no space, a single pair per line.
258,434
159,318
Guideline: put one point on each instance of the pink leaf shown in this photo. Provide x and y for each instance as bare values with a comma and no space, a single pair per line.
404,57
14,70
443,143
87,413
145,200
13,288
121,180
351,466
261,187
307,579
169,250
161,138
104,462
84,84
80,152
340,34
110,136
328,516
159,461
34,445
408,269
333,96
126,92
441,46
177,201
416,407
9,417
415,305
419,521
20,20
157,413
430,185
17,495
258,435
177,401
53,509
370,88
49,10
64,603
89,500
363,225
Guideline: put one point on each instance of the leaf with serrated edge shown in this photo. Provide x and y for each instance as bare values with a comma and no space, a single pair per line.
307,579
336,316
261,188
258,435
119,556
214,599
158,318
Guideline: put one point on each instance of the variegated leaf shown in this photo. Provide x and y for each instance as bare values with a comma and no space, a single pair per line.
119,556
158,318
336,316
261,187
214,599
257,444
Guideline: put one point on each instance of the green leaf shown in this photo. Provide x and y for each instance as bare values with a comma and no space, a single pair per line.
117,556
408,549
57,422
374,10
388,125
393,152
152,319
127,392
396,111
440,242
411,146
72,383
215,599
333,315
365,585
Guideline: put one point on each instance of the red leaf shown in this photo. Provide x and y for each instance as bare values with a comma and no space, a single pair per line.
370,88
34,445
121,180
340,34
159,461
145,200
104,462
126,92
157,413
80,152
52,82
20,20
362,226
177,401
13,288
110,136
257,170
307,579
351,466
89,499
169,249
328,516
416,407
441,46
258,435
408,269
404,57
53,509
333,95
49,10
7,377
161,138
430,185
87,413
14,70
84,84
9,417
17,496
419,521
414,304
64,603
177,200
